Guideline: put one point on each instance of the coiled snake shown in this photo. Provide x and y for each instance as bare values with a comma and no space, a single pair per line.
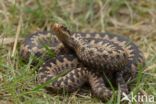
87,57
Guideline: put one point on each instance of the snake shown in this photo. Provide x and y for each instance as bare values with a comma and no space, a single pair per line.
92,58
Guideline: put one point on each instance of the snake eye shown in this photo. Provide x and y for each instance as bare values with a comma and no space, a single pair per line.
60,28
65,29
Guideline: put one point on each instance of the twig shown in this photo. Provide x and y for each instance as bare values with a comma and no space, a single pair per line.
17,35
9,40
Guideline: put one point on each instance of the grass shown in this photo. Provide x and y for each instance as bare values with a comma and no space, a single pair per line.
135,19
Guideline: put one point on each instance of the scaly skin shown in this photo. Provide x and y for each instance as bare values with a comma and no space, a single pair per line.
102,55
77,74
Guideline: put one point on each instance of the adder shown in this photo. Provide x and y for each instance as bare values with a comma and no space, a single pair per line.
90,58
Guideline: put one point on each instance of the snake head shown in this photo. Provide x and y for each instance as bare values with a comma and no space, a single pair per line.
62,33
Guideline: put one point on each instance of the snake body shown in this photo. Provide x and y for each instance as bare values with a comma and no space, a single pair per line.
85,58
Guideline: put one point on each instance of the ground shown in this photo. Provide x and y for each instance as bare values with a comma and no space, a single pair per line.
18,18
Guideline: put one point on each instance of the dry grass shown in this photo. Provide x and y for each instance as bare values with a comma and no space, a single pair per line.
133,18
